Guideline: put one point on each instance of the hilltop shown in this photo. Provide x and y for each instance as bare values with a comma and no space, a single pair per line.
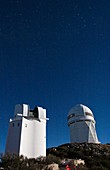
78,150
94,155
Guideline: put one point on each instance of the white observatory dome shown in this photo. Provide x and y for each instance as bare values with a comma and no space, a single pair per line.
80,109
78,113
82,124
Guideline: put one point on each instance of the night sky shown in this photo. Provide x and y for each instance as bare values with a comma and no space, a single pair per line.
55,54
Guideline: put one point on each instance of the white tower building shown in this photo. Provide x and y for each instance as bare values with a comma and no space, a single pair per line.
27,132
82,125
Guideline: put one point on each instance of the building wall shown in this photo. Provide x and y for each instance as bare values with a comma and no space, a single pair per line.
83,131
79,132
13,138
33,138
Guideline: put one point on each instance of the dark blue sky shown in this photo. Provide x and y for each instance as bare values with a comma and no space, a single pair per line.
55,54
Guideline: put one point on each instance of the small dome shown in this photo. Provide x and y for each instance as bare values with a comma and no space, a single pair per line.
80,109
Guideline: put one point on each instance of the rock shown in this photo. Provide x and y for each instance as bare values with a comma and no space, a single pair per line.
53,166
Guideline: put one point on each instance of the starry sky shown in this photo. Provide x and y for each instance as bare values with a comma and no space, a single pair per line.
55,54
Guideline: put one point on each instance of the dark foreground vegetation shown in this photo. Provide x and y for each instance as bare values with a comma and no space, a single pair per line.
15,162
96,157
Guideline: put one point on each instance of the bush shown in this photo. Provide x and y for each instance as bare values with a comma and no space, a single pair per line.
98,168
13,161
52,159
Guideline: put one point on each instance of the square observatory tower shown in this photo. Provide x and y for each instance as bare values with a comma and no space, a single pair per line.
27,132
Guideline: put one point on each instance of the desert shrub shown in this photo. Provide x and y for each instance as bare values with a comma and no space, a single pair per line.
106,163
6,161
13,161
98,168
52,159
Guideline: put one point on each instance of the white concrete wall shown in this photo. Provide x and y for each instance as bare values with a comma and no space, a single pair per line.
79,132
33,138
83,131
13,138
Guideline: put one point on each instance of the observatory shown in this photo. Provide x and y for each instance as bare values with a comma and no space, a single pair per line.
82,125
27,132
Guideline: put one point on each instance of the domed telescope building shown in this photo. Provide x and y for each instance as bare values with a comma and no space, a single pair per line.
27,132
82,125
